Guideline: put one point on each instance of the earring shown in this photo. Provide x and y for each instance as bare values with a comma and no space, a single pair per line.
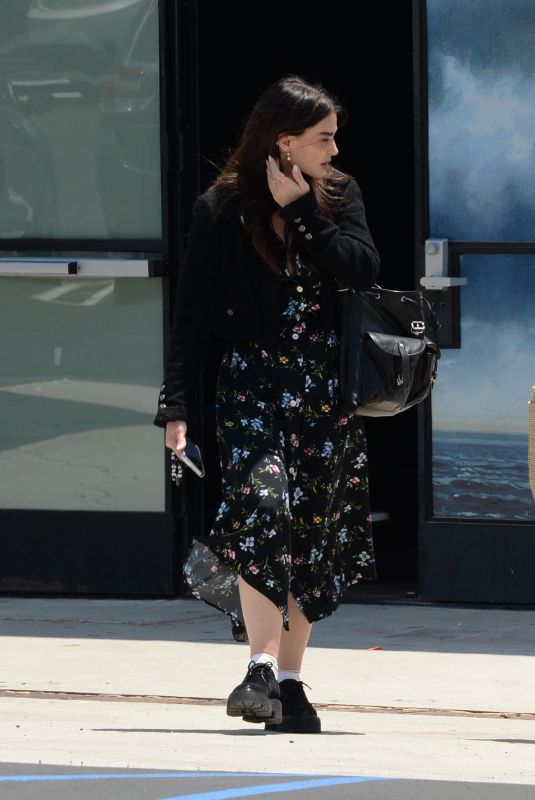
288,156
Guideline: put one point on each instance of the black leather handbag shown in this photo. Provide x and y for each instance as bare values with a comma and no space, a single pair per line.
388,350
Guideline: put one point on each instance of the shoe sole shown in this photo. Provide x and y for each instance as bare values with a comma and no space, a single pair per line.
296,724
254,711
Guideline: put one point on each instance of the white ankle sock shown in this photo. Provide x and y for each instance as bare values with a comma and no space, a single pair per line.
263,658
289,674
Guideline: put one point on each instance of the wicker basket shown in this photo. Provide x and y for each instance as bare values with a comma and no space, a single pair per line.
531,454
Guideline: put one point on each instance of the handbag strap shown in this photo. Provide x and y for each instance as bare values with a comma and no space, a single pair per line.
405,378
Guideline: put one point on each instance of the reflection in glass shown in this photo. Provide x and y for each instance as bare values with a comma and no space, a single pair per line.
481,119
79,119
81,364
480,422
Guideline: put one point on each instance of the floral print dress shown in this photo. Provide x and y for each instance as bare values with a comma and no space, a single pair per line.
294,514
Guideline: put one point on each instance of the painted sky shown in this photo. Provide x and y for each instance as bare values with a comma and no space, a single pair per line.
486,385
482,119
482,171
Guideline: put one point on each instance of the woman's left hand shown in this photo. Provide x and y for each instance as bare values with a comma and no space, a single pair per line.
283,188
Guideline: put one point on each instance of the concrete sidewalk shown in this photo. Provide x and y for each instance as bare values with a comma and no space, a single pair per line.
451,694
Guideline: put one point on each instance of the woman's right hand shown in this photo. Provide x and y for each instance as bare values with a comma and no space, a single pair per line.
285,188
175,435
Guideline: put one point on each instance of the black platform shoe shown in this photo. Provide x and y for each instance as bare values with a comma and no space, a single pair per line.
257,697
298,715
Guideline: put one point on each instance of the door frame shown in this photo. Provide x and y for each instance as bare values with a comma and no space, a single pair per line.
477,560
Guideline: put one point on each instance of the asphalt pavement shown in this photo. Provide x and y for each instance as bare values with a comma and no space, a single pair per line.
126,698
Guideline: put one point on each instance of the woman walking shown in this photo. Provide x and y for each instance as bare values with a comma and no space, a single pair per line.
268,242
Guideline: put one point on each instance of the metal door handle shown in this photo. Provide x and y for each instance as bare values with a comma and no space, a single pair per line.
37,267
82,267
436,267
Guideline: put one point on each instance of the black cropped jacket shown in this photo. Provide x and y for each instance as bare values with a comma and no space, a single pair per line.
226,287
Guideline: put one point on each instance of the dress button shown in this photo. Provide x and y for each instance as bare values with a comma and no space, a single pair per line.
308,236
298,220
299,288
230,311
302,228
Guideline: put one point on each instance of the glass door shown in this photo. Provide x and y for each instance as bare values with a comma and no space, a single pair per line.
476,258
92,178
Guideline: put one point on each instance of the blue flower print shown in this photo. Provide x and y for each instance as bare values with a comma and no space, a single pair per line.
248,544
327,449
291,308
337,583
290,401
330,389
361,460
236,455
223,508
298,496
237,360
342,535
255,424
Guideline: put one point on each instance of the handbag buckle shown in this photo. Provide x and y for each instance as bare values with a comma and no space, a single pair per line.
417,327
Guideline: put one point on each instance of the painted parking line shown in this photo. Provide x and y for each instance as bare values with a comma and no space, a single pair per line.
293,782
272,788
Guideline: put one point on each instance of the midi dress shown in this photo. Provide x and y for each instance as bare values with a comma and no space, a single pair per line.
294,514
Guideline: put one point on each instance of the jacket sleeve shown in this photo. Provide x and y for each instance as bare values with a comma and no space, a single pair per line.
343,247
193,314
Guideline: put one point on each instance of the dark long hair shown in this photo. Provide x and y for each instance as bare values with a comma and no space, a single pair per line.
290,105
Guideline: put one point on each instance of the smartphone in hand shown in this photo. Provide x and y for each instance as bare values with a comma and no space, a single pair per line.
191,457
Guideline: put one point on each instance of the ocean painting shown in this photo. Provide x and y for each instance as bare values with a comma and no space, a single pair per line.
481,166
481,475
480,399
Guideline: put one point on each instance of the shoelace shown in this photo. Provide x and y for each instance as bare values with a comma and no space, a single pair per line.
258,664
254,664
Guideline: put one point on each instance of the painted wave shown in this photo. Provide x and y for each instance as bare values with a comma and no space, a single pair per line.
481,475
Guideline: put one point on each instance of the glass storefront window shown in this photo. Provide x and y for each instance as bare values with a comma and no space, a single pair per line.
480,401
81,367
79,119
